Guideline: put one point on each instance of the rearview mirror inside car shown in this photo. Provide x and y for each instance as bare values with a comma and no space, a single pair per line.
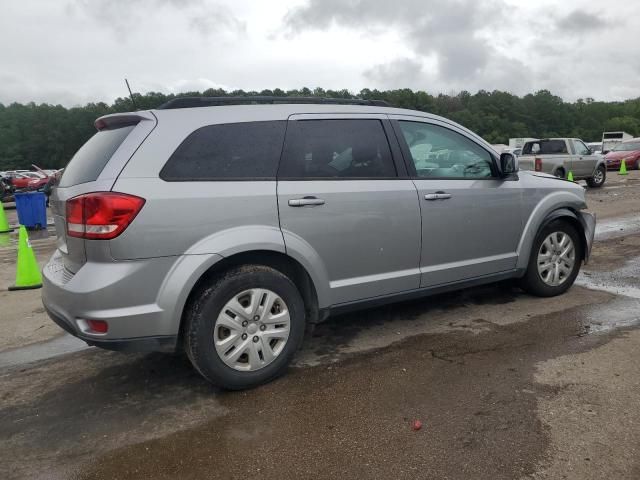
508,163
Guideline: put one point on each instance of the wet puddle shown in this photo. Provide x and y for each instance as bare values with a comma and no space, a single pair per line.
617,227
41,351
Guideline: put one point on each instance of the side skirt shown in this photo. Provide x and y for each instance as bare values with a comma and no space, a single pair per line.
419,293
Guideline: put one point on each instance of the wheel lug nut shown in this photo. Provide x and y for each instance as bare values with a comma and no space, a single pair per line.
263,327
256,318
245,323
244,336
255,339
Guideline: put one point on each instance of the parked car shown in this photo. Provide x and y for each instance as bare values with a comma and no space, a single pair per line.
6,189
227,230
559,156
26,180
629,150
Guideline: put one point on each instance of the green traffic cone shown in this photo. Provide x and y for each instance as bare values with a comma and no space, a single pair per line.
4,224
623,168
570,176
27,270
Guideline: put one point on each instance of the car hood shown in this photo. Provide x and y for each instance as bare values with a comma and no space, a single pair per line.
539,174
621,155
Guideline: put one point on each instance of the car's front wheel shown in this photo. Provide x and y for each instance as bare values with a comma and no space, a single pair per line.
599,176
243,328
555,260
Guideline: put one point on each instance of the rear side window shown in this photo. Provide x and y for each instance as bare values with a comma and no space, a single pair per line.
233,151
90,160
545,147
336,149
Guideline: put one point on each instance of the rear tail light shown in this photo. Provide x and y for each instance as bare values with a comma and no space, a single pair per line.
538,165
101,215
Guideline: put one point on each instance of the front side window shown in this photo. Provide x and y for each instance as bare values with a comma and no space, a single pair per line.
581,148
336,149
438,152
249,150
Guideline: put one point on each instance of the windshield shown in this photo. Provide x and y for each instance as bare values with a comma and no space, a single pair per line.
626,147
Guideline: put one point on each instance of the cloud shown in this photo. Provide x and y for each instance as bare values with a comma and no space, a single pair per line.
581,21
124,16
457,32
399,73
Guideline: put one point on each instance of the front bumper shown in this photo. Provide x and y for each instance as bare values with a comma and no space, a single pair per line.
124,294
588,221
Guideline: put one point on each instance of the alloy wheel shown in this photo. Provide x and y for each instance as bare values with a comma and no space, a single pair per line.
556,258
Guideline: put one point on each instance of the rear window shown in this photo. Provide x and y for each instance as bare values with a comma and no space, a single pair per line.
90,160
545,147
233,151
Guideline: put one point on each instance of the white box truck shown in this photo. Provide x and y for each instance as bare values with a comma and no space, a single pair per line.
611,139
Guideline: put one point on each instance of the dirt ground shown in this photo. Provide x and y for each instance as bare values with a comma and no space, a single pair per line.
507,386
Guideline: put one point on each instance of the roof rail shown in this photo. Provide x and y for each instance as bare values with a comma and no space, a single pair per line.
191,102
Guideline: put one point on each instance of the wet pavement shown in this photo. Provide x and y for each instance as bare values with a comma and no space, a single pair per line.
506,386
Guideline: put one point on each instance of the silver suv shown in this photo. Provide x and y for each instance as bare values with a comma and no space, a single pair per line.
226,230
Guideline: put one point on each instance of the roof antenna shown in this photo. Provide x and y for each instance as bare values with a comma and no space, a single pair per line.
131,94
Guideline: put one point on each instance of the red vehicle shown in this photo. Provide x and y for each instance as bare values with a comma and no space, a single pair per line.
629,150
27,180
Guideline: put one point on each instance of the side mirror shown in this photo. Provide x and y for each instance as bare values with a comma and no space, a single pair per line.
508,163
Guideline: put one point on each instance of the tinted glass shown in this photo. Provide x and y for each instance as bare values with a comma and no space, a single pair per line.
336,149
90,160
438,152
231,151
544,147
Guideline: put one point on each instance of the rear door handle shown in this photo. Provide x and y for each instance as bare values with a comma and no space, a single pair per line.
306,202
437,196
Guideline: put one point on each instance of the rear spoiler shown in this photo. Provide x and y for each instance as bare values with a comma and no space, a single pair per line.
117,120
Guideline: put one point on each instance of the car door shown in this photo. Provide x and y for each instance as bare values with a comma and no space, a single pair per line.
471,218
347,199
584,163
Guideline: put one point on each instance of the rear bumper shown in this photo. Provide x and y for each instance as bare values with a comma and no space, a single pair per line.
144,344
123,294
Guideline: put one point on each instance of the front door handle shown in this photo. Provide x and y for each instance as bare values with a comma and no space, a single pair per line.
437,196
306,202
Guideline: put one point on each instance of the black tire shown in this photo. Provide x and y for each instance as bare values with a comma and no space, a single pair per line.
560,173
203,311
593,183
532,282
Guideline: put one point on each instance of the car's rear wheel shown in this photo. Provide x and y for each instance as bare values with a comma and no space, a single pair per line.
555,260
599,176
243,328
560,173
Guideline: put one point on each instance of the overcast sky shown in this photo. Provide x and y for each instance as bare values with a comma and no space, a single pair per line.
76,51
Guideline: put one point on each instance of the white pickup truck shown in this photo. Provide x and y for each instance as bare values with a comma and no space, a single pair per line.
559,156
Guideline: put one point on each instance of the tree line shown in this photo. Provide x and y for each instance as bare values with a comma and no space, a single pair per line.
49,135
